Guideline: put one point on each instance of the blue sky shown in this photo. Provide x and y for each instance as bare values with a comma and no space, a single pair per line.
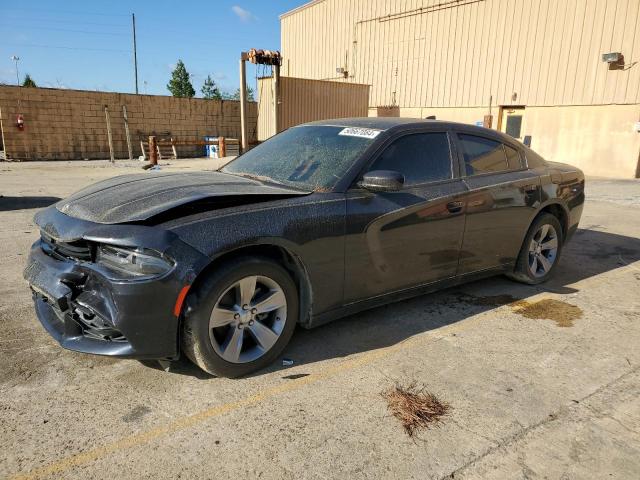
88,45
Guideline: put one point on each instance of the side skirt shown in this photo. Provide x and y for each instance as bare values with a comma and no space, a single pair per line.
398,296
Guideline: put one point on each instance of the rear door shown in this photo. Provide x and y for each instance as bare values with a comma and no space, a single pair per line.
397,240
502,200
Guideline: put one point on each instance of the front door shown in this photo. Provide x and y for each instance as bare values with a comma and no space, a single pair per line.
512,122
397,240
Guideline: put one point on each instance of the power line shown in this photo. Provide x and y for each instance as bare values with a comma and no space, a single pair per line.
74,22
33,45
69,12
63,30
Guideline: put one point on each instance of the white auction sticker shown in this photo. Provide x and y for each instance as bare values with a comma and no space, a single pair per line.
359,132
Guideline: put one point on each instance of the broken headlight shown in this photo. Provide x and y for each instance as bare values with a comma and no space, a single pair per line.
133,263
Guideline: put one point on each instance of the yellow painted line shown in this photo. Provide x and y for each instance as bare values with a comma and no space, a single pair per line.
185,422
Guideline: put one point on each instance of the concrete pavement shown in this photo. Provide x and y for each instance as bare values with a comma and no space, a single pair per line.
532,396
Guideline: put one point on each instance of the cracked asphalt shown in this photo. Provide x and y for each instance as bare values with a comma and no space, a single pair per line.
544,382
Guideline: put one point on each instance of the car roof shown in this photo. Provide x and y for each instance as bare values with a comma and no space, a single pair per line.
400,123
380,123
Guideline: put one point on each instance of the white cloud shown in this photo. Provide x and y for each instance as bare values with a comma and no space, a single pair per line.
244,15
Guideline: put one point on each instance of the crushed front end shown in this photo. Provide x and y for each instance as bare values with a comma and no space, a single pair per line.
110,289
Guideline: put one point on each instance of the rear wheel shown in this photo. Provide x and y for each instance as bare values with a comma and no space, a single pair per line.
540,251
241,317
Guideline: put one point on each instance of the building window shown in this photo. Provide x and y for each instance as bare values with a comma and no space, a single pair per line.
514,126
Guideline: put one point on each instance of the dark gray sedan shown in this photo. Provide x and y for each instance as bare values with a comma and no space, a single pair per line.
321,221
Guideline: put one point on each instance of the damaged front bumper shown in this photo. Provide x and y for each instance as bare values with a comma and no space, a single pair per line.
88,312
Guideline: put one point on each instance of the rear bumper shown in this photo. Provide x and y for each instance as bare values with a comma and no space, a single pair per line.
574,219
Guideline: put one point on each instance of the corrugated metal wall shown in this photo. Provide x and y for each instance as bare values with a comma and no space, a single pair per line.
304,100
444,53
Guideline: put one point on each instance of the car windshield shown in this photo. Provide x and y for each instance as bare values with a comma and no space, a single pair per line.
310,157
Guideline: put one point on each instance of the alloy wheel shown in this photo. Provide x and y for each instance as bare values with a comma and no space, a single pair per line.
248,319
543,250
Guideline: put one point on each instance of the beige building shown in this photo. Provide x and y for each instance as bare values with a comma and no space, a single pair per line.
536,66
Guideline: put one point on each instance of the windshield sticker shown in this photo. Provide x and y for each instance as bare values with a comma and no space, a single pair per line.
359,132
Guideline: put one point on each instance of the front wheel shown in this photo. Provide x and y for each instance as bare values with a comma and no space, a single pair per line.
540,251
240,318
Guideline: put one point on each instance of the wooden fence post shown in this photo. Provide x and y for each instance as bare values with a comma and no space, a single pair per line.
222,148
126,131
153,150
106,114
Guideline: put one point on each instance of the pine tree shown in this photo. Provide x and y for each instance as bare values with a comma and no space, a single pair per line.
28,81
180,85
210,89
236,95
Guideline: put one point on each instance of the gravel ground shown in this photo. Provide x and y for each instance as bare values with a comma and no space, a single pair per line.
543,382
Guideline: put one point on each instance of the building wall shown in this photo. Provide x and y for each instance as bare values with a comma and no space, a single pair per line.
454,58
599,138
71,124
445,53
303,100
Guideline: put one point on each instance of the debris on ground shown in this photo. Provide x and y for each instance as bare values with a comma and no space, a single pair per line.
415,407
295,376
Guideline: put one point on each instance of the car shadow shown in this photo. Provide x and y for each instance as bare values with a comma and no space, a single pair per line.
25,203
590,253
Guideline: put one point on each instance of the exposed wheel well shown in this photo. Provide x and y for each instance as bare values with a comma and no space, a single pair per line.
557,211
288,260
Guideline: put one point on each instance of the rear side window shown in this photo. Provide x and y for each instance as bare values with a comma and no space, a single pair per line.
420,157
513,158
482,155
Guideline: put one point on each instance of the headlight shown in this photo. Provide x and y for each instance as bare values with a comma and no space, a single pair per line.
133,263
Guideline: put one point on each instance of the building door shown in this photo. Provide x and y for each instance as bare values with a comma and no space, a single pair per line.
512,121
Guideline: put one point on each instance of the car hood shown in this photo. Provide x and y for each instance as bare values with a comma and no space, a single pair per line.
143,197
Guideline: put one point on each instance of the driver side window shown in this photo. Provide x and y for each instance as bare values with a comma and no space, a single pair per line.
420,157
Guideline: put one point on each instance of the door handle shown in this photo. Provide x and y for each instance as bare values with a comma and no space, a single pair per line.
455,207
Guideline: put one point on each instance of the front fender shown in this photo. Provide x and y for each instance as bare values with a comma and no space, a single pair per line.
312,228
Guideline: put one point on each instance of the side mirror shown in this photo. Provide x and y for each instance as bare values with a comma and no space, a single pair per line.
382,181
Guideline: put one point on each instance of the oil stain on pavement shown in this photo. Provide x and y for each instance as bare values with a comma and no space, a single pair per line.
564,314
136,414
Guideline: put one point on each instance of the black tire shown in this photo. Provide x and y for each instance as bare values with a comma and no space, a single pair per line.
522,272
196,342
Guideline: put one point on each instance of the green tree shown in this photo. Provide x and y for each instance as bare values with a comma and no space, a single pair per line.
180,85
210,89
236,95
28,81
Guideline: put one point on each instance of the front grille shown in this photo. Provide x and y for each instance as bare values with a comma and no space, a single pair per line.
76,250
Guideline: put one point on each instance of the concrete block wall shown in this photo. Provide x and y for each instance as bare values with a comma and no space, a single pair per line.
71,124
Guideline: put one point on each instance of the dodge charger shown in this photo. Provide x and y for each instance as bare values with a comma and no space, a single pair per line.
321,221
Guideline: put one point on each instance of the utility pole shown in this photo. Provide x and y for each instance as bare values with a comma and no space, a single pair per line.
243,102
16,59
135,51
276,97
